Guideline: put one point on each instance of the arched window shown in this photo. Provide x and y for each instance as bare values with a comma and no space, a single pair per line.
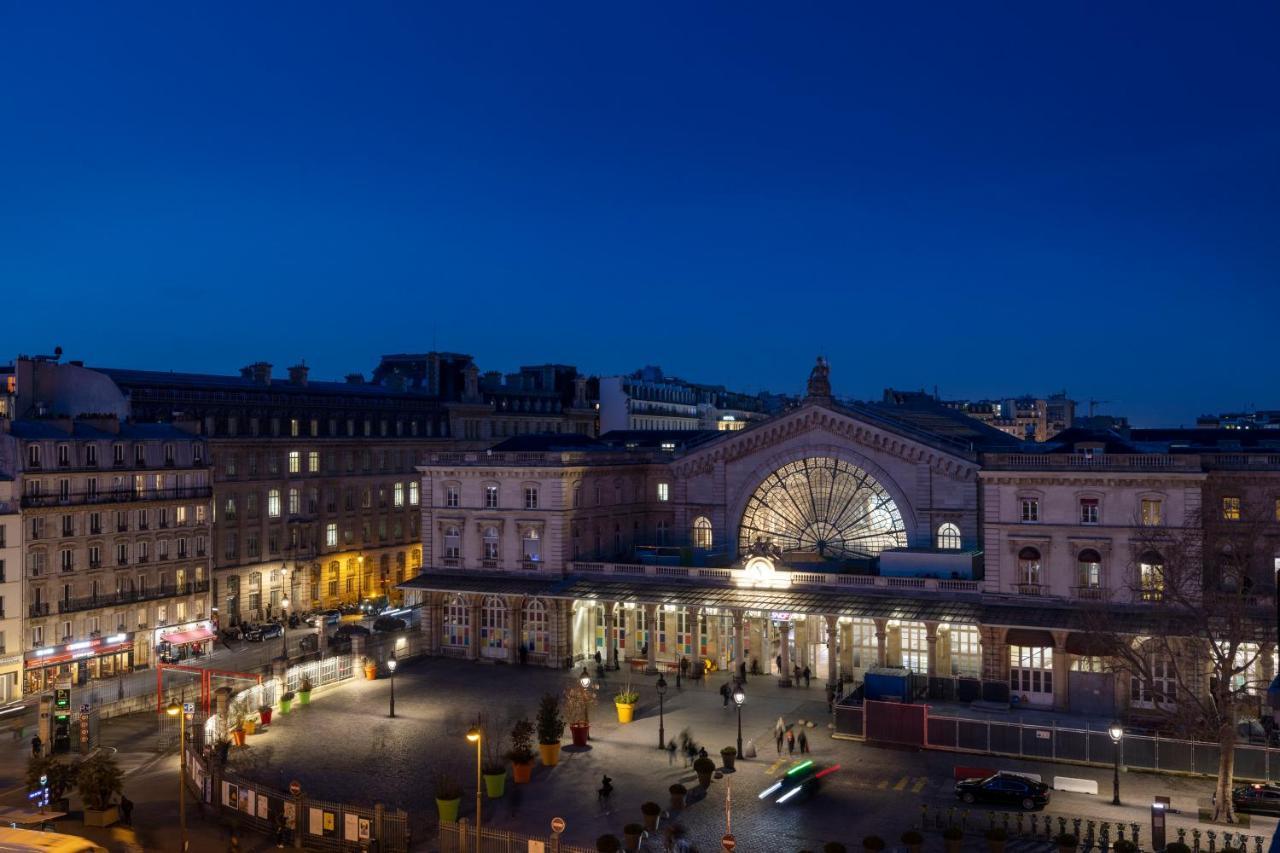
534,636
702,532
1151,576
531,546
1029,571
452,543
490,538
456,629
1089,572
949,537
493,627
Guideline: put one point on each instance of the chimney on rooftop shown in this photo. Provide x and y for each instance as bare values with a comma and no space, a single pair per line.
298,374
259,371
355,378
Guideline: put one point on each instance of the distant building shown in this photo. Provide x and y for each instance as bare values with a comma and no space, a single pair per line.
649,400
1027,418
1266,419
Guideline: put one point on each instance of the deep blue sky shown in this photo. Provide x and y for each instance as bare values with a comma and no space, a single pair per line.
992,199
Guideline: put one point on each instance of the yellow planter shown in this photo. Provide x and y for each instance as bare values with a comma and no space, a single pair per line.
550,753
626,711
249,726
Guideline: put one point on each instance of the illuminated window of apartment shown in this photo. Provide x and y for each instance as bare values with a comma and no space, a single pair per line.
1088,510
664,491
398,495
295,462
1030,510
313,461
949,537
1230,509
331,534
491,497
1152,512
273,503
293,427
1151,576
413,494
295,502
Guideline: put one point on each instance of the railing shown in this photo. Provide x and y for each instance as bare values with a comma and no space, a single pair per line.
1081,462
1089,593
724,576
38,609
91,602
1031,589
116,496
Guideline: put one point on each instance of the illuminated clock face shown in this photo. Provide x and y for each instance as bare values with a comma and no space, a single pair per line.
759,568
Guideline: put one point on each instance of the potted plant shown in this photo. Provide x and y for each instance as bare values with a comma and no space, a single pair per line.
1124,845
873,844
493,768
448,797
952,839
578,702
99,780
833,847
651,811
677,792
521,752
237,713
1067,843
996,837
728,756
1177,847
286,702
550,730
625,701
264,713
913,840
370,668
248,726
704,767
304,691
59,776
608,844
631,836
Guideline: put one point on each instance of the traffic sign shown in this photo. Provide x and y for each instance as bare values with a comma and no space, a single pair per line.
188,707
557,824
728,843
295,787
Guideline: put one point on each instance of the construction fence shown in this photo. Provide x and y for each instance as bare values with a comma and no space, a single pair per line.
460,837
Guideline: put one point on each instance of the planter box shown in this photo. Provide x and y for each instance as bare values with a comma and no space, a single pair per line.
304,697
522,772
495,784
626,711
266,716
106,817
550,753
580,734
448,810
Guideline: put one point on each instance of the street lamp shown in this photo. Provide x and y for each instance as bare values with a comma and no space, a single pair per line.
473,735
391,667
662,732
584,679
284,625
1117,732
175,710
739,696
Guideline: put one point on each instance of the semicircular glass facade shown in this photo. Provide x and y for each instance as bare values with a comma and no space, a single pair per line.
823,506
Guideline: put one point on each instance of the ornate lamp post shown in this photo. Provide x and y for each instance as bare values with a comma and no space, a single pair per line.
662,731
584,679
739,696
175,710
1117,733
284,627
391,667
473,735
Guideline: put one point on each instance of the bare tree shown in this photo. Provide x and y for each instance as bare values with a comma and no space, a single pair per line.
1190,645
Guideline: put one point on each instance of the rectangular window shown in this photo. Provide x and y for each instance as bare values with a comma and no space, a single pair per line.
1151,513
313,461
452,496
413,494
664,491
331,535
295,462
295,505
91,454
293,427
1230,509
1088,510
1030,510
530,497
490,497
398,495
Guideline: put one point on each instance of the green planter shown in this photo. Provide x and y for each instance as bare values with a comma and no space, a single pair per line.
304,697
285,705
448,810
495,784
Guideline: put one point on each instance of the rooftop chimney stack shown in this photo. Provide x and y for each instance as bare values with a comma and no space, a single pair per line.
298,374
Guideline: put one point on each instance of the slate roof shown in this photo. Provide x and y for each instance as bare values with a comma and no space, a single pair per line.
127,378
40,430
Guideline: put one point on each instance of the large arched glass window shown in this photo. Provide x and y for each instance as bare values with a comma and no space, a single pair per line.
456,629
493,626
1151,576
949,537
824,506
1029,569
535,635
452,542
490,538
702,532
1089,571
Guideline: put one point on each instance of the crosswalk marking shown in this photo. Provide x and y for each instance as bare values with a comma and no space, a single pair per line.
883,785
773,768
901,784
919,785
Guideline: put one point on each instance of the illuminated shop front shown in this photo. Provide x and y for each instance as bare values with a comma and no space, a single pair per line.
100,657
177,643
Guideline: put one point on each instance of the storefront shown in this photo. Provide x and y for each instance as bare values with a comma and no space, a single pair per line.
100,657
178,643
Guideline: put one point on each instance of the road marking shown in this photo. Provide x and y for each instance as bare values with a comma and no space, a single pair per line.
882,785
773,768
919,785
901,784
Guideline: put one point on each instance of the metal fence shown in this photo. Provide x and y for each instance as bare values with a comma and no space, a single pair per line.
460,837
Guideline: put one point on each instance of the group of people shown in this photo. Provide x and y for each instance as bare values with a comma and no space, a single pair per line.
783,732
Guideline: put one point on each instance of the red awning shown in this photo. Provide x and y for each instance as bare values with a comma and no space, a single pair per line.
183,638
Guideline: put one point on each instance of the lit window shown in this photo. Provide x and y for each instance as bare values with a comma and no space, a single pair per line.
397,495
331,534
295,462
293,427
949,537
1088,510
1230,509
664,491
273,503
313,461
294,502
531,546
413,494
702,535
1151,576
1152,512
490,497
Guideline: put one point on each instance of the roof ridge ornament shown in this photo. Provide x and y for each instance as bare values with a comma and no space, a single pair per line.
819,390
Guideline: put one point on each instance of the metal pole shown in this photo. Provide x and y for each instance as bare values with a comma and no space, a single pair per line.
182,769
393,692
1115,781
478,740
739,731
662,732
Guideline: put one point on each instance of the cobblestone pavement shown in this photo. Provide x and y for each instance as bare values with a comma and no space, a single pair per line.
346,747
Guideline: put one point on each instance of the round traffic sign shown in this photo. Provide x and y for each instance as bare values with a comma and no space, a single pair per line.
295,787
557,824
728,843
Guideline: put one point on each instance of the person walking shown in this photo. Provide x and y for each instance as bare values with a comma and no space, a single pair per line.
671,753
126,810
831,701
807,673
280,829
778,661
791,742
724,693
804,742
777,739
36,743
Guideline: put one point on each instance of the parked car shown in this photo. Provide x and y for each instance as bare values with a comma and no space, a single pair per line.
258,633
374,605
350,630
1257,799
389,623
1008,789
325,617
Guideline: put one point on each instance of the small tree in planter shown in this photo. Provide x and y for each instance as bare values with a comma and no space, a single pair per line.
264,714
651,812
304,691
60,777
448,796
608,844
625,702
677,792
521,752
952,839
1067,843
578,702
286,702
98,780
493,767
550,729
873,844
704,767
913,840
996,837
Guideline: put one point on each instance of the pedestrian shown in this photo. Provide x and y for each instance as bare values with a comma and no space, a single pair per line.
755,666
778,661
807,673
804,742
724,693
702,752
831,701
598,659
777,739
742,672
524,654
795,674
671,753
684,666
280,828
126,810
791,742
36,743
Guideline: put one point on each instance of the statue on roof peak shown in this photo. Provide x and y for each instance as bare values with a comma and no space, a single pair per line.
820,379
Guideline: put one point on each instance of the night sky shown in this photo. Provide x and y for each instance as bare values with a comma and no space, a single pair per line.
989,199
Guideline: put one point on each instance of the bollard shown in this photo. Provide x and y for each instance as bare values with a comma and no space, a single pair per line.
1182,835
1213,840
1257,843
1119,831
1137,833
1195,842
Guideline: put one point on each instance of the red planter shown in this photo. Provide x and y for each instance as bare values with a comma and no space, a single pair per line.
580,734
266,716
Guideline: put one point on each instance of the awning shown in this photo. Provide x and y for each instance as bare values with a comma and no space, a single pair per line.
184,638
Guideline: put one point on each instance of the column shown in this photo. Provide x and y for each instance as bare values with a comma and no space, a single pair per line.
1061,671
803,635
882,641
784,634
931,655
651,620
473,629
833,651
610,634
432,622
738,658
515,615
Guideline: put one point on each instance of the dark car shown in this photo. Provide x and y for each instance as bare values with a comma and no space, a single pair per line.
389,623
1007,789
264,632
1258,799
351,629
325,617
